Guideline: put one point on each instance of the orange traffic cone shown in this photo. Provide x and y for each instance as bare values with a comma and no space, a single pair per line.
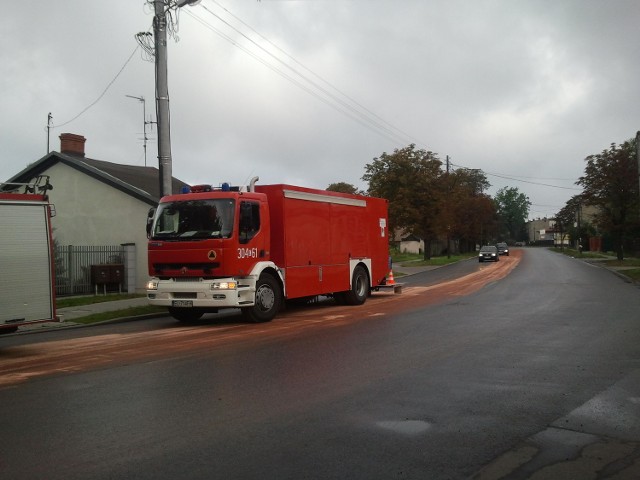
390,280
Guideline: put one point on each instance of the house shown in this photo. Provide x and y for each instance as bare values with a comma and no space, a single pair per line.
542,231
408,243
98,202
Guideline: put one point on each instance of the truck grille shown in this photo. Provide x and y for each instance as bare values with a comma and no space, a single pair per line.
185,295
162,268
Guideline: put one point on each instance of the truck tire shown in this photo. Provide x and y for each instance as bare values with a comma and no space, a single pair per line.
8,330
359,287
186,315
268,300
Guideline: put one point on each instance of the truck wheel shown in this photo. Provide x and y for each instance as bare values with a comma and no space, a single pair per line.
8,330
359,287
268,300
185,315
340,298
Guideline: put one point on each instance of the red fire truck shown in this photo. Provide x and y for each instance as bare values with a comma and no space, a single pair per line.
254,247
27,292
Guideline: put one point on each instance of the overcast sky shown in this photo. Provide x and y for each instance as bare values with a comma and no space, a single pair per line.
309,91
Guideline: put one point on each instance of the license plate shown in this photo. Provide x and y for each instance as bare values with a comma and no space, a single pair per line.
182,303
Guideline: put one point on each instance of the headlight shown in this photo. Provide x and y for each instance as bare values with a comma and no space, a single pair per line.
152,284
224,286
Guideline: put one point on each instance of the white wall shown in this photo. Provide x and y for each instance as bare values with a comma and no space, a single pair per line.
412,246
90,212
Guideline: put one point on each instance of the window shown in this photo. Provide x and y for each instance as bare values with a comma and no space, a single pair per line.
197,219
249,220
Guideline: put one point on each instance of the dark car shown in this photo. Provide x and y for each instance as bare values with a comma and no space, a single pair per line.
488,253
503,248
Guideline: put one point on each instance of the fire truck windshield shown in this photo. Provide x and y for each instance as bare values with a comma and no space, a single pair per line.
194,219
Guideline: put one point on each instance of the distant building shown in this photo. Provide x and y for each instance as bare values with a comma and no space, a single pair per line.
543,230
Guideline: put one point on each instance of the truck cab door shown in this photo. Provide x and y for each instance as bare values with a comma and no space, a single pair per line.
252,236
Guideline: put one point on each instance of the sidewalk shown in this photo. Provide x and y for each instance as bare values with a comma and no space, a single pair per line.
67,315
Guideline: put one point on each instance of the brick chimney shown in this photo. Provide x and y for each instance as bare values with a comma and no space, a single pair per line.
72,144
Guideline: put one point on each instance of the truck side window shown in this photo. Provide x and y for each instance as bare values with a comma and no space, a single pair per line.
249,220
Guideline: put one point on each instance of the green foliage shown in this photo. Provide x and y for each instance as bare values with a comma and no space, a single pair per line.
610,182
408,178
344,187
468,214
428,202
513,210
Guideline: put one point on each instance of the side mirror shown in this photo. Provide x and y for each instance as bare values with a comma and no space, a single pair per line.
150,214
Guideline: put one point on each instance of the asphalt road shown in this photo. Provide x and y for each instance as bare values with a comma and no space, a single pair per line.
502,381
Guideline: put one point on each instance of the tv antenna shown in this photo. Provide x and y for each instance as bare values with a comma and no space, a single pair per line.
145,122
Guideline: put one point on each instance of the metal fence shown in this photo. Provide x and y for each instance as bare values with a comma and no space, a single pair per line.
73,266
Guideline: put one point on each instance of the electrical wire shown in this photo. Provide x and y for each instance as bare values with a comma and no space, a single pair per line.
339,100
301,80
365,110
103,92
520,179
354,109
344,109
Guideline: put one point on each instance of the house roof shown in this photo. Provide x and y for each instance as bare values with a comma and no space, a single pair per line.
139,182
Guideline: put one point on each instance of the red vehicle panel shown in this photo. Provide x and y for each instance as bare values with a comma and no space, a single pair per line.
249,249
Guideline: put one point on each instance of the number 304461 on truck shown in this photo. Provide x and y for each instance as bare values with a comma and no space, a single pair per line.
255,247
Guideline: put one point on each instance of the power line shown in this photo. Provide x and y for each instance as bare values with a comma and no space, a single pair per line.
533,183
367,111
103,93
518,178
341,102
311,87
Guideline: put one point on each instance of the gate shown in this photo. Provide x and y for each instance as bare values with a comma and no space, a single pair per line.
73,266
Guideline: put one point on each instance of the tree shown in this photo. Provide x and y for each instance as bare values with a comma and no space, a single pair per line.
467,214
610,182
475,215
344,187
567,217
409,179
513,209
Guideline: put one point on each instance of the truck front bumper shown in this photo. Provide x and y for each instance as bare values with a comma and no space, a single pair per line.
202,293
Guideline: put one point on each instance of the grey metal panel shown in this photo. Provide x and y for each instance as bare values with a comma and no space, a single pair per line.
25,263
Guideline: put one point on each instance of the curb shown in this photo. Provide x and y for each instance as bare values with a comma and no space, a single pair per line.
72,325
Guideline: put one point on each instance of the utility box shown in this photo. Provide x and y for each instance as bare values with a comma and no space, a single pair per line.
107,276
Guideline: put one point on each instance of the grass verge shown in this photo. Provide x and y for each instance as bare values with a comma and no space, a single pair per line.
633,274
627,262
127,312
91,299
437,261
572,252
